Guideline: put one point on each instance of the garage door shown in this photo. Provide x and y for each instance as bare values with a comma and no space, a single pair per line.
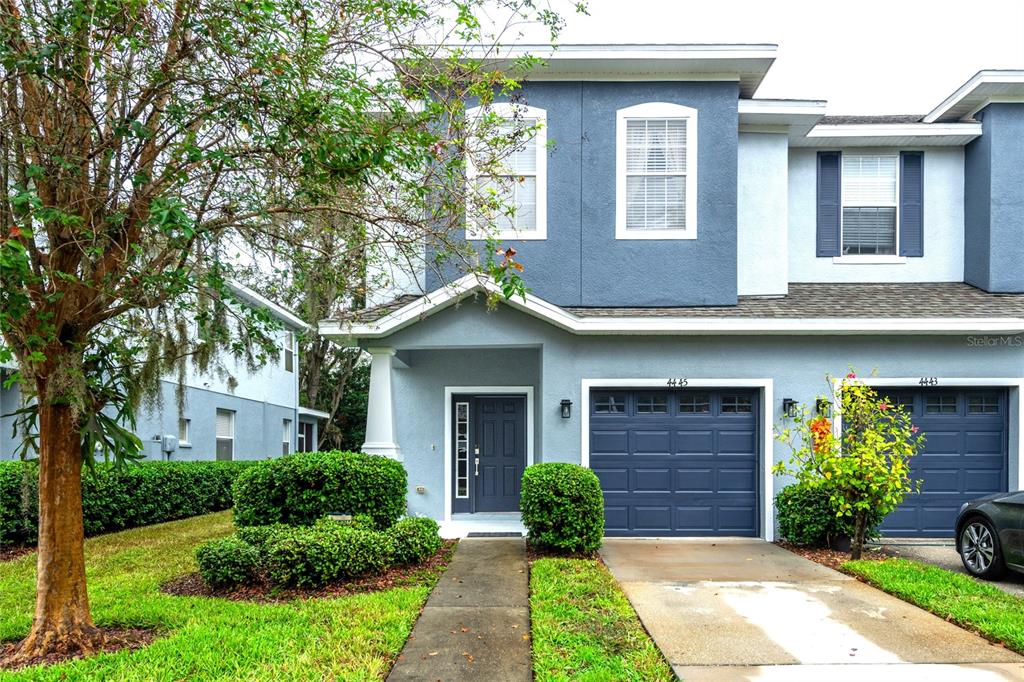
964,456
676,462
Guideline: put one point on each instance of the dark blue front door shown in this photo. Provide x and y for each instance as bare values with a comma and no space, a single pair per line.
676,462
490,452
964,456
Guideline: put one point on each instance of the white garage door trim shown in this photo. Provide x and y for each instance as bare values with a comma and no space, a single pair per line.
1015,449
767,487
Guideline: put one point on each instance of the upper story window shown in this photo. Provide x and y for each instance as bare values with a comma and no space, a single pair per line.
288,352
507,171
656,172
870,204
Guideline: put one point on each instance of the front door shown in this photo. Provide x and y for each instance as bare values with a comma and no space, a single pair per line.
490,452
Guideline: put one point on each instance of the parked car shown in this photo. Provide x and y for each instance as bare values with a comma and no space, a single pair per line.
990,535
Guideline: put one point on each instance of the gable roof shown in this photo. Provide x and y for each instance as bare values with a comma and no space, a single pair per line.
983,87
932,308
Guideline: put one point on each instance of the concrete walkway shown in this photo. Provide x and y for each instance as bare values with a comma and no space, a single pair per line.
737,609
942,553
476,624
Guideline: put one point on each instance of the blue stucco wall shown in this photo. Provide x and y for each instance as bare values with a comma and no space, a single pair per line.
994,201
10,400
581,263
555,362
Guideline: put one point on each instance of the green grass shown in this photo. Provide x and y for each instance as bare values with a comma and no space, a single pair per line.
956,597
350,638
584,627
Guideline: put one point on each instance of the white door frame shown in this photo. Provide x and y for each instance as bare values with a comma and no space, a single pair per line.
450,391
767,453
1015,417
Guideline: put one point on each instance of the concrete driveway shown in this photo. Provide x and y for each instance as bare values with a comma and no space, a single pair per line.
738,609
942,553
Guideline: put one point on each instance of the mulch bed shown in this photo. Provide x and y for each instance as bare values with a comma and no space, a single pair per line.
830,557
118,639
192,584
12,552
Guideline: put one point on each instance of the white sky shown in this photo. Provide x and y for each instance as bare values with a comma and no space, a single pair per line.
864,57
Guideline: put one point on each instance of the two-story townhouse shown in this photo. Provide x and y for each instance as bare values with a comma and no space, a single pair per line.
699,259
233,415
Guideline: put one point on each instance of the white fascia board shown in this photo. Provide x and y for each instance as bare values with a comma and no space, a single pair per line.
965,100
258,300
782,107
682,326
620,51
884,130
310,412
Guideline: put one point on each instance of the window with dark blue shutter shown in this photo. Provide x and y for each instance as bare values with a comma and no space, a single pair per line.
829,199
912,204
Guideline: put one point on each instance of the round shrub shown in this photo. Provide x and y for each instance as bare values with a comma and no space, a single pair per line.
806,517
300,489
415,540
563,507
227,562
259,536
312,556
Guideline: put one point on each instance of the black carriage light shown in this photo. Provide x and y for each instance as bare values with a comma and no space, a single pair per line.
566,407
824,407
789,407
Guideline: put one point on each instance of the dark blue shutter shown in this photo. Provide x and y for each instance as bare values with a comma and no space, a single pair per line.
829,197
912,204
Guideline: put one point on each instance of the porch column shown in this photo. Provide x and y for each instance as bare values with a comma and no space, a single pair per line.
380,413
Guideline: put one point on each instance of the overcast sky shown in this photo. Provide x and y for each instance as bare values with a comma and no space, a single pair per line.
866,57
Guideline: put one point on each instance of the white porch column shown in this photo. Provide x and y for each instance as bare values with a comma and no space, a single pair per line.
380,413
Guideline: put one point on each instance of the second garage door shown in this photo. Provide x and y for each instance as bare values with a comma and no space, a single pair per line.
676,462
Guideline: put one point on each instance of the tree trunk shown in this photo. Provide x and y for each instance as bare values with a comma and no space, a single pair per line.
860,522
62,623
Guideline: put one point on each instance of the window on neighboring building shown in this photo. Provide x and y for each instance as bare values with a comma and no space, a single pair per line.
225,434
870,188
288,354
510,191
184,427
286,437
656,172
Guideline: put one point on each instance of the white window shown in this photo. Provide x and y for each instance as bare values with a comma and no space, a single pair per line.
870,204
507,166
286,437
184,427
225,434
462,450
656,172
288,354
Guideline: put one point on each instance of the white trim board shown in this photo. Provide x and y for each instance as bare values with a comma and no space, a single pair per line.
767,454
449,295
450,391
1015,439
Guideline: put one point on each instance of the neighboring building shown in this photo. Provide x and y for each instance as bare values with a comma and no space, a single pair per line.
259,417
698,256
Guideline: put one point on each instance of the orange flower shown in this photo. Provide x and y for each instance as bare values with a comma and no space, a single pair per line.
821,430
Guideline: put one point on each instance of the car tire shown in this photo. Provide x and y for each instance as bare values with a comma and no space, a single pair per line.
980,550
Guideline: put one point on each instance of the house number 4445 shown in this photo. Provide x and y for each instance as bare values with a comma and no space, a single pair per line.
678,382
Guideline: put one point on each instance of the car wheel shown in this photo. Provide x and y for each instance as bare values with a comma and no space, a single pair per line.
980,551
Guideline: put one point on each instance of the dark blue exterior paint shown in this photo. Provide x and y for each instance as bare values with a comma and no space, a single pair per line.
581,263
912,204
828,210
677,473
964,458
994,201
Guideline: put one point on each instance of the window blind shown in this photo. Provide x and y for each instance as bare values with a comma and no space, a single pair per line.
656,174
225,424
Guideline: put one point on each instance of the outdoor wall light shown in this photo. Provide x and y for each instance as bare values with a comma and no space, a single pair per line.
566,406
789,407
824,407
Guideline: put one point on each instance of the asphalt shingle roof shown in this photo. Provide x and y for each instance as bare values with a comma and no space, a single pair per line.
862,120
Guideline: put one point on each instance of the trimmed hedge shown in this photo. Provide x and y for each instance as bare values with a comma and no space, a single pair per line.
806,517
563,507
312,556
227,562
415,539
118,498
300,489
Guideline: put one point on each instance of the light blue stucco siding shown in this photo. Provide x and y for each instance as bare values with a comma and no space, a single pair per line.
505,347
10,401
581,262
994,201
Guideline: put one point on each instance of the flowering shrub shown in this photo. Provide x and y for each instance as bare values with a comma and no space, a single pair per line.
866,467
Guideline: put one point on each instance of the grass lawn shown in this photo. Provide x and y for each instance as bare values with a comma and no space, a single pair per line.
956,597
584,627
350,638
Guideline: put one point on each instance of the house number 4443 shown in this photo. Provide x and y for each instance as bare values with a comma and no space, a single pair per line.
678,382
929,381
